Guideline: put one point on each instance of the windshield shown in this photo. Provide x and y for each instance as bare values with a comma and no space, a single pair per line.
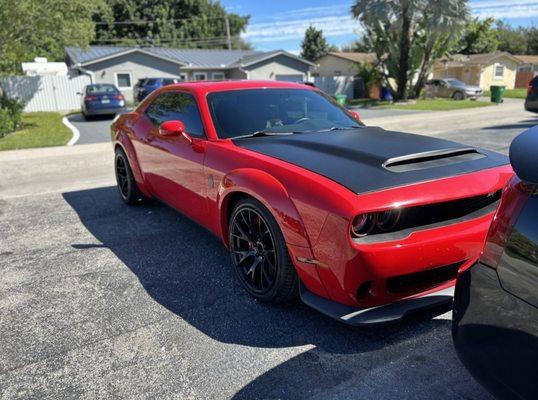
455,82
243,112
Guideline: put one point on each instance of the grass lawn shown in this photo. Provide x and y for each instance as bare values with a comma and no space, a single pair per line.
511,93
39,129
423,104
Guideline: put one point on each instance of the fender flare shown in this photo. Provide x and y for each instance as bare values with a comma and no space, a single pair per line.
125,143
271,193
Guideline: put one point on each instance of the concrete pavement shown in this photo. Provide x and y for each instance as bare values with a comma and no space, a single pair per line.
491,127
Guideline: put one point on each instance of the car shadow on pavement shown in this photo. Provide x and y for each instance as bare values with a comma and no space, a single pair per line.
80,118
186,269
524,124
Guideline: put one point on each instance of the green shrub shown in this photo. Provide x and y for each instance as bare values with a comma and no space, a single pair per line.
6,123
10,115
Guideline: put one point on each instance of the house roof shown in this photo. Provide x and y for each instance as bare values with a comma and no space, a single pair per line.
476,59
526,59
353,56
188,58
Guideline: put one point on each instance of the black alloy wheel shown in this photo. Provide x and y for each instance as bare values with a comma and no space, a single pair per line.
259,254
125,180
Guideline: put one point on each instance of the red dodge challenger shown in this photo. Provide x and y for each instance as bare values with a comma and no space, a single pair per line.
366,225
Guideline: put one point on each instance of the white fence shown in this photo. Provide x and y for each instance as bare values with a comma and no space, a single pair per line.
335,85
45,93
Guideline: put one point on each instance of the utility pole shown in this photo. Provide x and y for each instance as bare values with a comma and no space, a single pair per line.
228,37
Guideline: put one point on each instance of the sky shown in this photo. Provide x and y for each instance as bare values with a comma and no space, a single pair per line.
280,24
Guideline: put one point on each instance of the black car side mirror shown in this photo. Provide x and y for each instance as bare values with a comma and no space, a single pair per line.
523,155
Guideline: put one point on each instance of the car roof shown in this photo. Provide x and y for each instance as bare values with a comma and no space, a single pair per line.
218,86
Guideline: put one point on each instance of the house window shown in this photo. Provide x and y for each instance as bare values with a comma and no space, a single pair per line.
499,71
123,80
218,76
183,77
200,76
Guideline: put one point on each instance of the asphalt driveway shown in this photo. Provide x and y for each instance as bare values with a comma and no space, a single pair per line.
101,300
96,130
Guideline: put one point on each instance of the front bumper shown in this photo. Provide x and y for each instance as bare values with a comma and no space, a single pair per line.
390,313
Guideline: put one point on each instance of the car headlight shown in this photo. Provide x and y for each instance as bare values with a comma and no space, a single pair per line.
363,224
382,221
387,220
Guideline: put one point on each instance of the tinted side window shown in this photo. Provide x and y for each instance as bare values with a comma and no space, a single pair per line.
177,106
168,81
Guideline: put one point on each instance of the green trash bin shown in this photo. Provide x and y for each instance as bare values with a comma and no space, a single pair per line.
341,99
497,93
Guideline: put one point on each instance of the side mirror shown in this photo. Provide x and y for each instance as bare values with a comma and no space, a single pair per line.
355,115
174,128
523,152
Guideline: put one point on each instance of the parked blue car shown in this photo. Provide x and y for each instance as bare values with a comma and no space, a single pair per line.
147,85
102,99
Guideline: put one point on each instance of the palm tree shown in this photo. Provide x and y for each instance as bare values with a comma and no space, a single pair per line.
408,35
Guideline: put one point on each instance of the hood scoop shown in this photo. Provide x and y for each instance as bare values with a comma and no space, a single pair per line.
431,159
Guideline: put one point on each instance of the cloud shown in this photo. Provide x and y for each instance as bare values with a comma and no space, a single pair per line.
335,20
285,30
502,9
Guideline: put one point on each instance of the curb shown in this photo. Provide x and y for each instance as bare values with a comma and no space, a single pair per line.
76,133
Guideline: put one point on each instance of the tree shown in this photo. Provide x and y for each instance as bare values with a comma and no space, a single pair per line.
511,40
170,23
408,36
369,74
532,40
480,37
360,45
314,45
31,28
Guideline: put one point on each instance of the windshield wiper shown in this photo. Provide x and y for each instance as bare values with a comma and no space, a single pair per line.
263,133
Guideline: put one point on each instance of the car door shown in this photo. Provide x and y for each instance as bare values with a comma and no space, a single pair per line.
173,167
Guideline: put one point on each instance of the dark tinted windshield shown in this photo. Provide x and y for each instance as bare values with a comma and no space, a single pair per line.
103,88
243,112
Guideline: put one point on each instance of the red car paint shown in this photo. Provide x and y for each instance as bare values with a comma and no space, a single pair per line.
203,180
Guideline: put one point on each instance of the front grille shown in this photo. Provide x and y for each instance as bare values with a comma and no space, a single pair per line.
439,212
424,280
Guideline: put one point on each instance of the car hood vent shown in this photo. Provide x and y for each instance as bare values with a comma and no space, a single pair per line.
431,159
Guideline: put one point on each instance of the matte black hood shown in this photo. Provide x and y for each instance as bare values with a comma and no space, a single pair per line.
369,159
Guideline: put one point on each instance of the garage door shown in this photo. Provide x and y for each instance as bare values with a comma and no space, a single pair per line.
290,78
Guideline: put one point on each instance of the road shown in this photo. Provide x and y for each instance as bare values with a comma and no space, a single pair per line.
101,300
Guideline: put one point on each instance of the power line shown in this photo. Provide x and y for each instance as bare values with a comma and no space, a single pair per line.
142,22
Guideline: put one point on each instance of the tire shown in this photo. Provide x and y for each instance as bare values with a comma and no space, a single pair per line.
260,241
458,96
125,181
